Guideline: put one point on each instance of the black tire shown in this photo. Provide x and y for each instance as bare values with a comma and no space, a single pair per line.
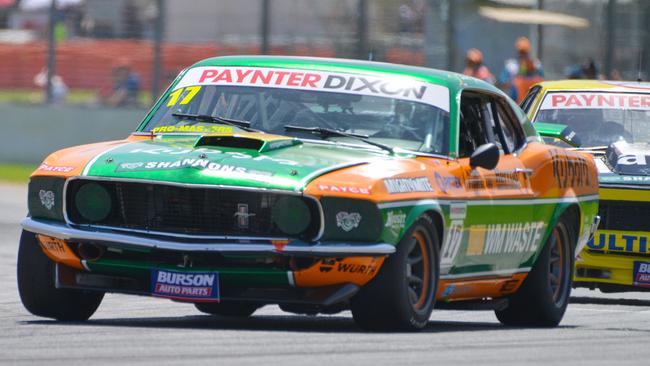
543,297
402,295
38,293
228,309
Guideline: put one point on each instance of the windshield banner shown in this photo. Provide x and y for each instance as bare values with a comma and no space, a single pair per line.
384,86
584,100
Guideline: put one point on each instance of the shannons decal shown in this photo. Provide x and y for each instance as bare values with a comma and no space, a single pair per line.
504,238
185,286
596,100
385,86
626,178
201,164
210,152
407,185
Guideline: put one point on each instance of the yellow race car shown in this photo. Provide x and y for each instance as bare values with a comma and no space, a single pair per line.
612,120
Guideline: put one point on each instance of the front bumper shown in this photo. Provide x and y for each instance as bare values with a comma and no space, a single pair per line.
595,269
232,246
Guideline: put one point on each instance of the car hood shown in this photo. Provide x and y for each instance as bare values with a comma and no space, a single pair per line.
249,160
625,163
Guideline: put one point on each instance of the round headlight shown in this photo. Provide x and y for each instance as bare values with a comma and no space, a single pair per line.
291,215
93,202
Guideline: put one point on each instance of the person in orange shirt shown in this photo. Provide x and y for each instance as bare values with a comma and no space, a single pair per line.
521,73
474,66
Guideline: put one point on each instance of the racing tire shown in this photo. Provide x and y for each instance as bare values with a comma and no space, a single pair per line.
228,309
35,273
402,295
543,297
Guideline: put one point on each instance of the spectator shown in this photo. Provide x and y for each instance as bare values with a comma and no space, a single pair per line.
520,74
59,89
586,70
474,66
589,69
126,86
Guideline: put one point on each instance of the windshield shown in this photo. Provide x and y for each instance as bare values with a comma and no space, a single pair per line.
397,112
599,118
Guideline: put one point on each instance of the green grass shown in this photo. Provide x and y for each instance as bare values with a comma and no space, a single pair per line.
16,173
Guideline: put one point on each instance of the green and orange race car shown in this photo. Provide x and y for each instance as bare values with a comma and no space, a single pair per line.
319,185
611,119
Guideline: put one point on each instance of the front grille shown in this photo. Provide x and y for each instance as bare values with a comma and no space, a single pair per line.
624,215
189,210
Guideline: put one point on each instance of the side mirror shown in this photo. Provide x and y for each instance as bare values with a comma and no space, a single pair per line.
485,156
558,131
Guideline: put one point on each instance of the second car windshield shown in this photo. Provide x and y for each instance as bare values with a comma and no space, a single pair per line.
599,118
405,124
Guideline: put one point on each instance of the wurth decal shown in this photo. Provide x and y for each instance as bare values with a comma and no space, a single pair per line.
404,88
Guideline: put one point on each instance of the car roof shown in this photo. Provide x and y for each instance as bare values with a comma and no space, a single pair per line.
597,85
453,81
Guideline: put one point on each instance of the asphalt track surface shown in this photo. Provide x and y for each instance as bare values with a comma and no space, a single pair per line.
598,329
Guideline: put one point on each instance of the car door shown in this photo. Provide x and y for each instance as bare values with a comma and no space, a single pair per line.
498,228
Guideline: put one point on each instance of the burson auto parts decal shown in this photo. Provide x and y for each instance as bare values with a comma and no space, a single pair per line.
196,286
383,86
596,100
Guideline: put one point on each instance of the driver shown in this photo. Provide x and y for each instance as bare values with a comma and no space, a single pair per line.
404,122
589,125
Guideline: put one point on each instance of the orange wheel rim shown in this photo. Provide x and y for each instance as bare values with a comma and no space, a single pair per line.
421,244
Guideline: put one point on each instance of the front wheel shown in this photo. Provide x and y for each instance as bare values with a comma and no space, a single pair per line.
402,295
543,297
38,292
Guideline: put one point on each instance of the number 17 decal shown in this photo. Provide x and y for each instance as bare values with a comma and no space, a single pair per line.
176,95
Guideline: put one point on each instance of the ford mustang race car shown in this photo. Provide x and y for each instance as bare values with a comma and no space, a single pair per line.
612,120
319,185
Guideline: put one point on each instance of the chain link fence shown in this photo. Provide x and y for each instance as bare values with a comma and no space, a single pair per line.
121,53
